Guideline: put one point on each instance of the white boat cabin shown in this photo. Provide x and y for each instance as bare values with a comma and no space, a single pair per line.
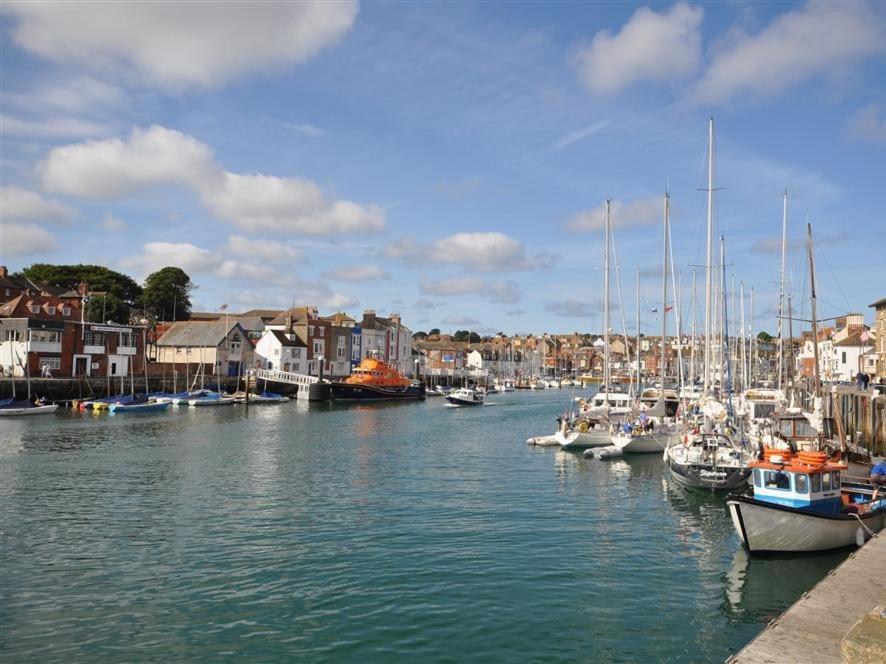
806,487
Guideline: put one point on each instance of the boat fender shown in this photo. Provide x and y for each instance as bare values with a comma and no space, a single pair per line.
583,427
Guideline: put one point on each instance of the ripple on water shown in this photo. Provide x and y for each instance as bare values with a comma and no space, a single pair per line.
387,533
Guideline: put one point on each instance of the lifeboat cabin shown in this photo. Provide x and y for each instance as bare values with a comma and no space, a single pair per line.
786,480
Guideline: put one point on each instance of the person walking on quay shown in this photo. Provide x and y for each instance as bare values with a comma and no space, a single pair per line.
859,379
865,380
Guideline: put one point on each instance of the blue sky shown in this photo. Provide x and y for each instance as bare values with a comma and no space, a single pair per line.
445,160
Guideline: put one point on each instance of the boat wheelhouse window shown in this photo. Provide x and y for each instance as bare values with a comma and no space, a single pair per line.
801,482
804,429
758,477
825,481
816,483
763,409
787,428
835,480
777,479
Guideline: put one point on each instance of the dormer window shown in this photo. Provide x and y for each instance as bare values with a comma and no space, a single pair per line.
35,308
66,311
50,309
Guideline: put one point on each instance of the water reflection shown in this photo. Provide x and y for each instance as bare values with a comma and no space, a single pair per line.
758,589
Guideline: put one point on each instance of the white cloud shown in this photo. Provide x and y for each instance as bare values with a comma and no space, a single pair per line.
156,156
639,212
481,252
75,93
267,250
459,320
113,224
817,39
494,291
189,257
179,44
663,47
869,123
17,204
61,127
24,240
358,273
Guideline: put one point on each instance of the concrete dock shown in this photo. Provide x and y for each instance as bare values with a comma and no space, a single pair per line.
812,630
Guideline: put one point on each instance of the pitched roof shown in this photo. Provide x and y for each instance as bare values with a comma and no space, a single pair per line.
879,303
286,341
261,313
339,318
854,339
198,333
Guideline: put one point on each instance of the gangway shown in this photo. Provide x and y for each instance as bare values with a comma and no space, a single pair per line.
303,381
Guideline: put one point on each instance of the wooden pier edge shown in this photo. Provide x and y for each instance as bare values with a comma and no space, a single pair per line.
813,628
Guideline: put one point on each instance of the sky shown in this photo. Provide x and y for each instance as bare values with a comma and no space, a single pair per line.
449,161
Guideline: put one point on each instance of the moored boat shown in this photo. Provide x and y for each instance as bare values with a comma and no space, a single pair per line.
708,461
207,398
147,407
798,503
16,408
374,380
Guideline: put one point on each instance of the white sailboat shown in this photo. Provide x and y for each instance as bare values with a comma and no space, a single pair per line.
706,457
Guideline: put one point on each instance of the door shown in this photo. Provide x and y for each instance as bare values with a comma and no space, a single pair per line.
80,365
233,369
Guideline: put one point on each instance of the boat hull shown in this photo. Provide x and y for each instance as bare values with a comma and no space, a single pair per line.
152,407
706,476
457,401
354,392
35,410
646,443
576,440
766,527
199,403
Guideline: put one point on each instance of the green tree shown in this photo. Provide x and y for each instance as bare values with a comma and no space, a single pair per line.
106,308
99,279
461,335
474,338
434,332
420,336
167,294
765,337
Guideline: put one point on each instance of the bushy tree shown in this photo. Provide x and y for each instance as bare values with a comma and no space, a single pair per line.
420,336
434,332
765,337
99,278
167,294
106,308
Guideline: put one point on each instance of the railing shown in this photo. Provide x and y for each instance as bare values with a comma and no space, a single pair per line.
289,377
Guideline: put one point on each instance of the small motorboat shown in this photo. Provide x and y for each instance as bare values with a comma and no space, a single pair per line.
465,396
14,408
263,397
207,398
800,503
150,406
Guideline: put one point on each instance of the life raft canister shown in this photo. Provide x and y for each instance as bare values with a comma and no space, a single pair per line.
582,427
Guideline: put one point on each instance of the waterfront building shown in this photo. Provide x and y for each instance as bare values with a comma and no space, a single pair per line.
880,328
344,333
281,351
218,346
313,331
389,339
852,354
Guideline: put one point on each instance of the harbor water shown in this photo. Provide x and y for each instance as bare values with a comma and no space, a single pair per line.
379,533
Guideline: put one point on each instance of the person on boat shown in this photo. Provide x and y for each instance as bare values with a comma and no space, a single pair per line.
878,478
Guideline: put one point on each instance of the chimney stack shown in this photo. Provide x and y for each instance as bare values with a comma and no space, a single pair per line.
3,272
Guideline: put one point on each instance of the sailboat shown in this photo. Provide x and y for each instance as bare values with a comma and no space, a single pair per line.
651,433
12,407
590,426
706,456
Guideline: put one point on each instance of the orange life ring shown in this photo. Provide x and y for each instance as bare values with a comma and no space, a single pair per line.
812,458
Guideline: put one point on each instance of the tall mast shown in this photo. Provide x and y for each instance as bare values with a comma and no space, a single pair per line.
791,347
637,347
664,289
692,347
606,300
814,316
753,345
784,243
708,270
744,350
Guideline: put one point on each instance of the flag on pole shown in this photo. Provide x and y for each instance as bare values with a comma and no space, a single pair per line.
223,307
865,335
668,308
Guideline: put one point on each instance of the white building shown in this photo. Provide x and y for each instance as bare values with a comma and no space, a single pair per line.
280,351
851,355
220,346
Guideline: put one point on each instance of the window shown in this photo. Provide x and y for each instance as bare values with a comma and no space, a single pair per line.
94,339
825,481
51,362
835,480
318,347
776,479
816,483
125,339
50,309
66,311
311,331
276,352
341,353
45,336
12,335
844,357
802,483
758,481
35,308
236,346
